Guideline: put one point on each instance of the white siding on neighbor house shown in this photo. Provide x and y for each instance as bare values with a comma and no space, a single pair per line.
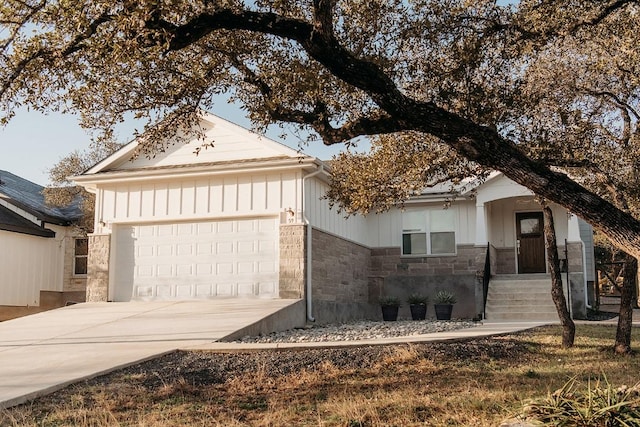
29,264
322,217
214,197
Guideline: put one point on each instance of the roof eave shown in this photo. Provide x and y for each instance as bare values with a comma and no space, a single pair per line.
32,231
89,180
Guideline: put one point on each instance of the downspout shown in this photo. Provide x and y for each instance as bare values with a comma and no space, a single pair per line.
309,284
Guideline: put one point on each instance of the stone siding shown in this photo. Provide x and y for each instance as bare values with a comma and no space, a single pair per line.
506,261
340,275
393,274
71,282
293,259
98,267
576,278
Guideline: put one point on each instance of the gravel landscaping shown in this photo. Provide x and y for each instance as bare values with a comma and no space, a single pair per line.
362,330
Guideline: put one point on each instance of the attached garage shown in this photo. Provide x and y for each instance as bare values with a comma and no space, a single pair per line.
226,223
201,259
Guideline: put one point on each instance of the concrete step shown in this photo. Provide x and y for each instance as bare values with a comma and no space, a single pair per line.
522,304
553,317
520,298
520,309
521,295
520,285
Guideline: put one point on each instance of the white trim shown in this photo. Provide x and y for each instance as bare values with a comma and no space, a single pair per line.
26,215
126,152
195,171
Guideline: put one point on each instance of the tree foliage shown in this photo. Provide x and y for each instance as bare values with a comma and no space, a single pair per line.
62,192
471,77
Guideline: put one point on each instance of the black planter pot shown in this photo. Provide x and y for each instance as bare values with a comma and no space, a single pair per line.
389,313
443,311
418,311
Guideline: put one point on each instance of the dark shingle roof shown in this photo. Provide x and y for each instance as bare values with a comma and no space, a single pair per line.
28,196
11,221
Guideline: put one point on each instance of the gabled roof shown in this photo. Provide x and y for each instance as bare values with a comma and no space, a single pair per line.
28,196
231,143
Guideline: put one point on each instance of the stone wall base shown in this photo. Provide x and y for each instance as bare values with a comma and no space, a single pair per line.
98,268
465,287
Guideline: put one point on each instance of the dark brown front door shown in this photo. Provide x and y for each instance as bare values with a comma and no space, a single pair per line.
530,242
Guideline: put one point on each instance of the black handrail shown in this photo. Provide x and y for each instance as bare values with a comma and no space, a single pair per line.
486,277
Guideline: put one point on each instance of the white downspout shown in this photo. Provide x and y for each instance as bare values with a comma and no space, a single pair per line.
309,285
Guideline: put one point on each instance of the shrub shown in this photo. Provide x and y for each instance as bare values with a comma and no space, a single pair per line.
445,297
418,299
601,405
389,301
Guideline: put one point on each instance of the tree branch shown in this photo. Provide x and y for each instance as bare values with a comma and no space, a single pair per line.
377,123
72,47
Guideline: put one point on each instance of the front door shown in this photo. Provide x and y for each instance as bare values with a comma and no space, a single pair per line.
530,242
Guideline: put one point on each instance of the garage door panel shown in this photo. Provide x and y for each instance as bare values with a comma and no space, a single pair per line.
197,260
225,289
184,291
245,289
203,290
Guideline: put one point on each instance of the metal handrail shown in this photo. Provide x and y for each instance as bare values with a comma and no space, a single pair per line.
486,277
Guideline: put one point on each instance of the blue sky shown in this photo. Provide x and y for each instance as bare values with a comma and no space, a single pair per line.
32,143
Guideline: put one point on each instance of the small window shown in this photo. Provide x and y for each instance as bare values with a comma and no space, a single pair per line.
429,232
530,226
80,257
414,236
414,243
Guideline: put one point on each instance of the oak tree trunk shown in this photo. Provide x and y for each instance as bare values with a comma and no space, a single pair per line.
625,319
557,293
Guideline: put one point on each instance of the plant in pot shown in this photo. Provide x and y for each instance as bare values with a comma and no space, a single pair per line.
443,304
389,305
418,306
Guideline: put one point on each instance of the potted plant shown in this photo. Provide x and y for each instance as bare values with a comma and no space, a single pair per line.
389,305
443,304
418,306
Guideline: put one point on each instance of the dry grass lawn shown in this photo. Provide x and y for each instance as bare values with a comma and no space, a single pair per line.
473,383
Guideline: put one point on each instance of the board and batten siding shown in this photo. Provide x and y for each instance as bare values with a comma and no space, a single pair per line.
379,229
29,264
325,218
385,229
205,197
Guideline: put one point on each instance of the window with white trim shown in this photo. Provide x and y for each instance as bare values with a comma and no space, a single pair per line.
80,257
429,232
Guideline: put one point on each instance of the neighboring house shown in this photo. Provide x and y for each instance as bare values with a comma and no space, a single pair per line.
43,258
246,218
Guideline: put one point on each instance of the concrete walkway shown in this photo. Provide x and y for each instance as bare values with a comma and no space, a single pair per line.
47,351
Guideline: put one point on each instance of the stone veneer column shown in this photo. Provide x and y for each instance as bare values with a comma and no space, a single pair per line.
98,267
293,256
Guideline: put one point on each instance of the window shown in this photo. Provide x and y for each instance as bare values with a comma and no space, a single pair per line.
80,256
429,232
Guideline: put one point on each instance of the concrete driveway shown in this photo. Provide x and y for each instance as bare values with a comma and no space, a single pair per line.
46,351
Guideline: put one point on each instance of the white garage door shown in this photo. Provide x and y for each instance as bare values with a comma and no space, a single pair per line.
228,258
